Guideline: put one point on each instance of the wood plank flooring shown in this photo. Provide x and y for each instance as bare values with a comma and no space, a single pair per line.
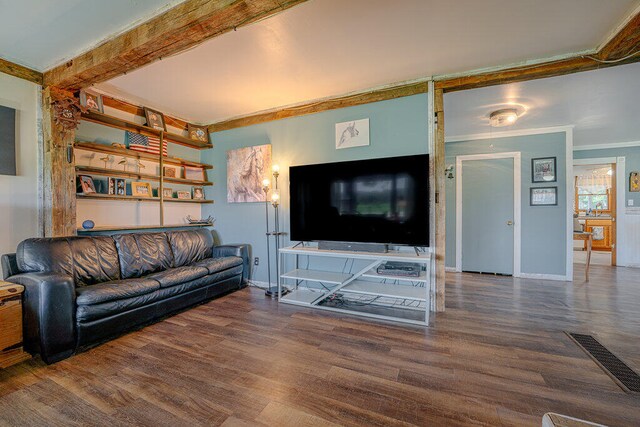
497,356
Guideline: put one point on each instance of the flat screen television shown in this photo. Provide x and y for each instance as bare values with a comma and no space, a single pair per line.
372,201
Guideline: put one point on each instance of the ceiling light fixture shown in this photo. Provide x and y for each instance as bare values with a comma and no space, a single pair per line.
504,117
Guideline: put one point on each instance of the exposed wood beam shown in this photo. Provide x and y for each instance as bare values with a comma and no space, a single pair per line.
624,43
323,105
20,71
440,211
127,107
182,27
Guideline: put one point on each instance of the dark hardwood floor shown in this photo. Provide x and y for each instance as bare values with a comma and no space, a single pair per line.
498,356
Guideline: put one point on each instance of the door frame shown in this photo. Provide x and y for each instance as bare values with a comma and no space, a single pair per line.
517,204
620,218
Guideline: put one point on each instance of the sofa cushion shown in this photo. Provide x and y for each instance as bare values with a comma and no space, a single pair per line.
175,276
88,260
190,246
116,290
215,265
143,253
86,313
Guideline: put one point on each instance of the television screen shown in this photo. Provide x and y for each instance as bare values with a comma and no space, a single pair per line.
374,201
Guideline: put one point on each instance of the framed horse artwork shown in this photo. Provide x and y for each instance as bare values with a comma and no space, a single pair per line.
354,133
246,168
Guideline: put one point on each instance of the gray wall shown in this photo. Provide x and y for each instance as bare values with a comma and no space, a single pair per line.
544,240
397,127
632,164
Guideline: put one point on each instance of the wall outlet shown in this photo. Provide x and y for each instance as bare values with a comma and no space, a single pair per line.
630,202
256,261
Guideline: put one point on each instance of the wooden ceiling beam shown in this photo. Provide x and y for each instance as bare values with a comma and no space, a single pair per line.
20,71
180,28
624,43
375,95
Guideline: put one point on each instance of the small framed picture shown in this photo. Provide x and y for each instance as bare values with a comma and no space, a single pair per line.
155,119
634,182
543,196
198,193
141,189
169,172
120,186
195,174
91,100
198,133
184,195
86,184
112,186
543,169
167,193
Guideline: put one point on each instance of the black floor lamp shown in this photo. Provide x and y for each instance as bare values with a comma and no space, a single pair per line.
275,202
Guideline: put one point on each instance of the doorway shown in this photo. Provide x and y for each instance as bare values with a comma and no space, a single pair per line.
488,213
595,211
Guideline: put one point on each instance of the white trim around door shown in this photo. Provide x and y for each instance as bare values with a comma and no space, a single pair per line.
517,205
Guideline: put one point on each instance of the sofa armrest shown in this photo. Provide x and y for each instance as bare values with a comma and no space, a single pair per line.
239,250
9,266
49,314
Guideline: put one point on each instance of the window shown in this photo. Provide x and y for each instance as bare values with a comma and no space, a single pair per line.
593,189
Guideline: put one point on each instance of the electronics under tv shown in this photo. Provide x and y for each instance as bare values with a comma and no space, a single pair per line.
384,201
395,268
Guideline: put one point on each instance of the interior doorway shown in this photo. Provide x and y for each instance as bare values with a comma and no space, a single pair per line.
595,211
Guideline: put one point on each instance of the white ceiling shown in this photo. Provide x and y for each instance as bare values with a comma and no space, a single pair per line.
601,104
40,34
330,47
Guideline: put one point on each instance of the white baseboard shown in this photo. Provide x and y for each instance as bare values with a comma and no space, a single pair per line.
451,269
259,284
540,276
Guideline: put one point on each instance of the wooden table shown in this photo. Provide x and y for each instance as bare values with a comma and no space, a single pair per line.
11,351
588,238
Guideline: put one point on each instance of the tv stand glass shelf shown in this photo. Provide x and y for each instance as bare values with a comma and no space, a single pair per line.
357,289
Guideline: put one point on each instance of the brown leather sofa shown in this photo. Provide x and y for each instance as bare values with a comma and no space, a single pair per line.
81,291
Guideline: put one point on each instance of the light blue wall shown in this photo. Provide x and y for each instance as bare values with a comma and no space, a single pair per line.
544,240
397,127
632,164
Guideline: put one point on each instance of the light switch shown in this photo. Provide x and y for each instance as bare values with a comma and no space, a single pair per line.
630,202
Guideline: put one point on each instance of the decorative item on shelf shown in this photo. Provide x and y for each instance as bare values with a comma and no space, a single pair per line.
145,144
141,189
88,224
155,119
543,196
192,173
184,195
198,133
204,221
167,193
118,145
123,162
86,184
140,165
543,169
198,193
245,169
91,100
106,159
169,172
634,182
121,186
353,133
67,111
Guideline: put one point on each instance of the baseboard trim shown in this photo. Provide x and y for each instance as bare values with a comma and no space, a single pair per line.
259,284
541,276
451,269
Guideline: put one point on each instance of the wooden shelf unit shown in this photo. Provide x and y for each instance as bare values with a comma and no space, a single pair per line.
125,152
90,170
115,122
99,196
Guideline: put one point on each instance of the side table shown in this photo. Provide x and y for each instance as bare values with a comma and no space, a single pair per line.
11,351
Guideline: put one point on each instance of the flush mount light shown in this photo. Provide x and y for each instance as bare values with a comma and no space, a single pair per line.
504,117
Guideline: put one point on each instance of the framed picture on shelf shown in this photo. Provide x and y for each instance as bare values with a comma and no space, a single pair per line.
120,186
195,174
543,170
91,100
184,195
543,196
167,193
141,189
112,186
198,133
86,184
169,172
198,193
155,119
634,182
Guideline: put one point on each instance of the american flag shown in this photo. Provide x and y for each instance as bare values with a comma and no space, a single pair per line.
146,144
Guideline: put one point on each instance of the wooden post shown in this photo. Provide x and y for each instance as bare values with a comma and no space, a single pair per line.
161,187
439,167
59,174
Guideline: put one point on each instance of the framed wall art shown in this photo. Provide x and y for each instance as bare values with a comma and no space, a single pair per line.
543,196
543,170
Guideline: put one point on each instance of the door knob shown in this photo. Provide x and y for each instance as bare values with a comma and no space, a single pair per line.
509,222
